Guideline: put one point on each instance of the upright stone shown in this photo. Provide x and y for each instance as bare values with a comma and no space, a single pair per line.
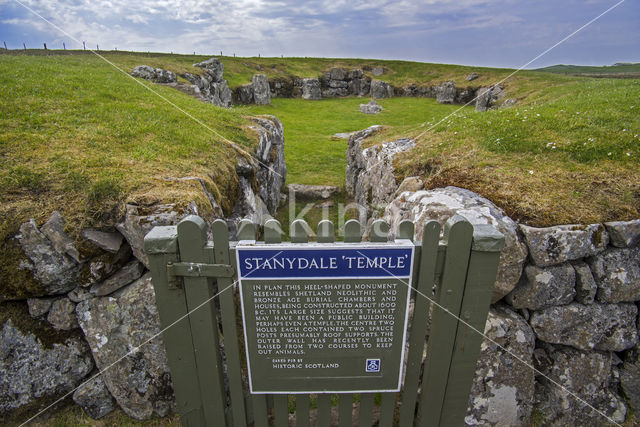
446,93
311,89
261,92
380,89
624,234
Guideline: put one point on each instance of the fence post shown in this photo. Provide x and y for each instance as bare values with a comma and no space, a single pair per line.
457,234
483,267
192,238
161,245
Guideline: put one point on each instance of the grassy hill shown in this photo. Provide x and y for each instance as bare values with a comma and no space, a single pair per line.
623,70
79,136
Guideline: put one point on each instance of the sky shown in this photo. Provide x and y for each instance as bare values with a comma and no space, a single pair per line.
494,33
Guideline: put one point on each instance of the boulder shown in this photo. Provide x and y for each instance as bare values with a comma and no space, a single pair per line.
380,89
157,75
165,76
354,86
371,107
39,306
486,96
630,382
214,69
53,230
335,92
410,183
356,73
272,170
49,261
103,265
617,273
442,203
261,92
503,387
471,77
110,242
221,94
126,329
127,274
312,192
337,73
355,161
365,87
555,245
32,370
94,398
446,93
583,374
139,220
62,315
244,94
311,89
375,182
586,286
335,84
144,72
624,234
606,327
542,287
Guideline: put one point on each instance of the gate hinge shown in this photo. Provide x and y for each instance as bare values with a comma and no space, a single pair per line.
195,269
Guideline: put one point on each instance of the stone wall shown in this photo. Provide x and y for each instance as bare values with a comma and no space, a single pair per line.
93,301
565,302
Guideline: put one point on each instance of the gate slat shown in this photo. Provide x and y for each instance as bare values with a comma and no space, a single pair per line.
281,410
352,231
324,409
344,409
161,246
379,231
458,234
228,309
483,267
260,414
272,231
387,408
192,238
426,279
302,410
325,232
365,413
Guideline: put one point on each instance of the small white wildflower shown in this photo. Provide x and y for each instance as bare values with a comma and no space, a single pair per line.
628,154
530,172
455,133
538,114
609,153
578,112
624,130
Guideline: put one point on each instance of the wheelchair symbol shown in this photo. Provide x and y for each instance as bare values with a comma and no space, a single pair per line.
373,365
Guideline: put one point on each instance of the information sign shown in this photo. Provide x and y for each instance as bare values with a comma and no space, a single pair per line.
322,318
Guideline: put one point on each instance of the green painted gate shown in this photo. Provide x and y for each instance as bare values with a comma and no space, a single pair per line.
199,312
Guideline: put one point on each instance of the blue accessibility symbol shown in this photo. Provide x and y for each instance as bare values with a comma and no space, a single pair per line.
373,365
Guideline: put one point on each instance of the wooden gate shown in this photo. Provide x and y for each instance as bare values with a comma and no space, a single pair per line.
199,313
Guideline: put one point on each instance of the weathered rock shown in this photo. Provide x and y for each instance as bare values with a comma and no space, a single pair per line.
371,107
585,374
313,192
335,84
503,388
624,234
39,306
487,96
380,89
311,89
607,327
375,183
31,371
62,315
272,171
377,71
127,274
94,398
617,273
53,229
140,220
355,161
213,67
410,183
117,328
356,73
354,86
586,286
246,166
337,73
157,75
555,245
249,206
102,266
630,382
342,135
261,92
244,94
365,87
110,242
446,93
472,77
55,270
80,294
543,287
335,92
221,94
442,203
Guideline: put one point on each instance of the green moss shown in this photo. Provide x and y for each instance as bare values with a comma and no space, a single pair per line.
16,282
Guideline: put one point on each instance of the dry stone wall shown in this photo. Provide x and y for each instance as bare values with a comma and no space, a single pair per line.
95,303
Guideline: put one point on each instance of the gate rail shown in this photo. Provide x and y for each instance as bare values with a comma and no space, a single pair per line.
198,308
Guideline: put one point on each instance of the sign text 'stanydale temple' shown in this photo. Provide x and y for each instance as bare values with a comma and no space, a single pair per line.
325,317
